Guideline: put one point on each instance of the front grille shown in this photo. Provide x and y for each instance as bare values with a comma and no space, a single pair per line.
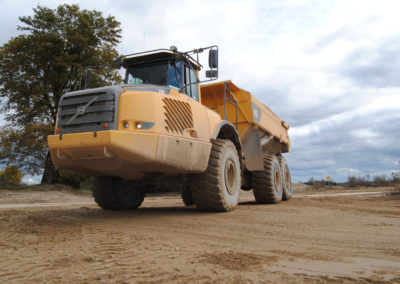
86,111
178,116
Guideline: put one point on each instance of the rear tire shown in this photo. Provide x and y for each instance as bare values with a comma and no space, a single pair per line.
286,179
112,193
267,184
217,189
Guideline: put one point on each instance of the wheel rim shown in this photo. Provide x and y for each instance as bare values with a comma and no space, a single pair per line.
230,176
277,180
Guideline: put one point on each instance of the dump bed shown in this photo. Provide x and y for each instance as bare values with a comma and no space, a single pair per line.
245,112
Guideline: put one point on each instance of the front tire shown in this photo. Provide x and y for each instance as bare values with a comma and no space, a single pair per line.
217,189
267,184
112,193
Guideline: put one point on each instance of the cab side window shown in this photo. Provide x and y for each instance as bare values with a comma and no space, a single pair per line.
193,87
175,74
190,80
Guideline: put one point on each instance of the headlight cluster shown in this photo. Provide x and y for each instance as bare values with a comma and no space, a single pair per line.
139,125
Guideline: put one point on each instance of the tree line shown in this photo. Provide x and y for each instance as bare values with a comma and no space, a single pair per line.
353,181
380,180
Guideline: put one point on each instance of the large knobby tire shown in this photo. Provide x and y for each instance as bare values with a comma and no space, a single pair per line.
187,197
112,193
267,184
217,189
286,179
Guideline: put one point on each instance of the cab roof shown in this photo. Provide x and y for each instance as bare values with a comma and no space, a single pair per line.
158,55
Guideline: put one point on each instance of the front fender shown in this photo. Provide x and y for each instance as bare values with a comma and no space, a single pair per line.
226,130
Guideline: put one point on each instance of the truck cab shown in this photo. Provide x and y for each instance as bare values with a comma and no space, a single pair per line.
163,69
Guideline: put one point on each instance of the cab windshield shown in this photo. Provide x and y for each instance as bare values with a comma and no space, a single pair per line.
163,73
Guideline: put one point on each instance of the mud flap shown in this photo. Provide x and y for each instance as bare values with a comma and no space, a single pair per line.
253,152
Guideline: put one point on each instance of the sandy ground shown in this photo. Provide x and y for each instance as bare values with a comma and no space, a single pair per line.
317,237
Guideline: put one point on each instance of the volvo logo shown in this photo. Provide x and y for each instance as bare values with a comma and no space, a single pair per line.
81,110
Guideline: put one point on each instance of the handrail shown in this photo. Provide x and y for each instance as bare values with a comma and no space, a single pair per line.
230,100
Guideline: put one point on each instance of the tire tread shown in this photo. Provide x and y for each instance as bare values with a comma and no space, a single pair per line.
263,183
108,197
206,191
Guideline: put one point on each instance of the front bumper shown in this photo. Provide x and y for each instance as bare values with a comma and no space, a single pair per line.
130,155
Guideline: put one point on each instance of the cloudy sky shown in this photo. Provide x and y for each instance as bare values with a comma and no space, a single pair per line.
331,69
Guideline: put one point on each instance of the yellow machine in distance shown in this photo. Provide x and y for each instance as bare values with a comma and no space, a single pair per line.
163,127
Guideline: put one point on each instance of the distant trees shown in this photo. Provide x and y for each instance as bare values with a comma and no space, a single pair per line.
353,181
39,66
320,183
381,180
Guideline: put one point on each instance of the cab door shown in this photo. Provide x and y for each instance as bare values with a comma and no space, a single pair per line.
190,94
191,82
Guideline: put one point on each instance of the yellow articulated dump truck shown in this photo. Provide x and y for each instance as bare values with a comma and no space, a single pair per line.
163,128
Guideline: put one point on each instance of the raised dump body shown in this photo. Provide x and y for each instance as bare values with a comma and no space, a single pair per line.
247,113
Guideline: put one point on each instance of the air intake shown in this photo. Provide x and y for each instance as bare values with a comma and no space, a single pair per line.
178,116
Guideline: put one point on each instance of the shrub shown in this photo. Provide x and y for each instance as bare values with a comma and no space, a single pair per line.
353,181
382,181
11,175
320,183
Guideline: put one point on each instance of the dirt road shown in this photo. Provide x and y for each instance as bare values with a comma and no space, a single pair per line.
314,238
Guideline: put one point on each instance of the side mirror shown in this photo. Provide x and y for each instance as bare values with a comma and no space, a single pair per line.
211,73
213,58
87,79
